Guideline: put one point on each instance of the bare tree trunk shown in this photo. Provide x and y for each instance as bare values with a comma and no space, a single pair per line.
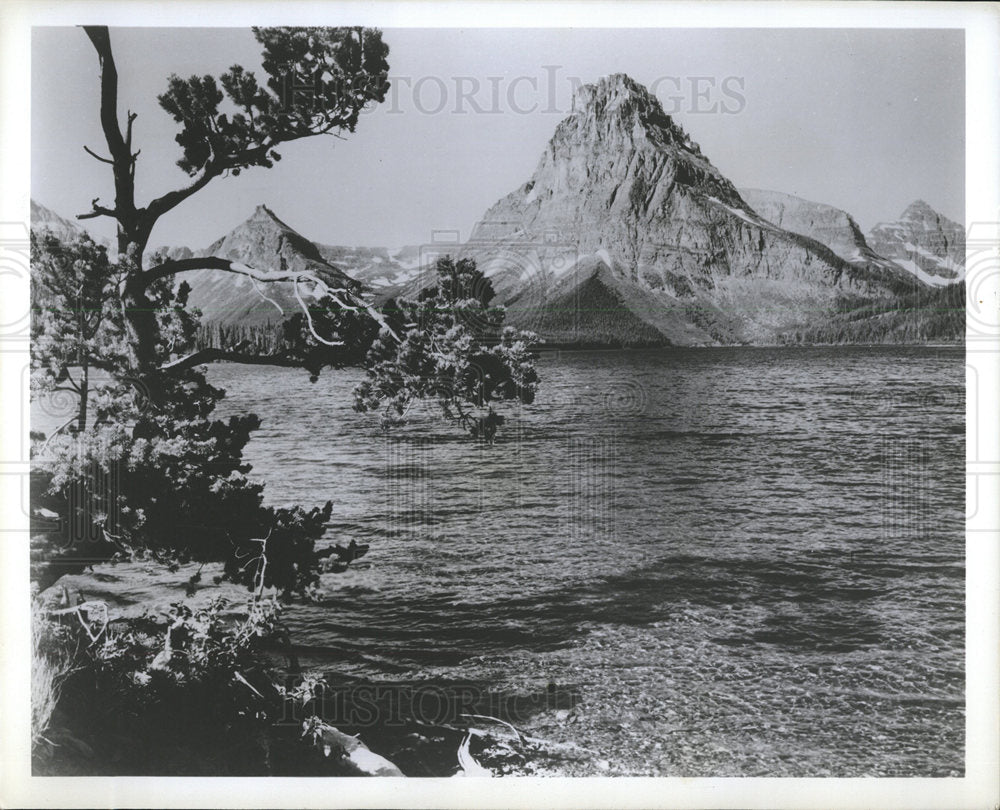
134,225
142,325
81,418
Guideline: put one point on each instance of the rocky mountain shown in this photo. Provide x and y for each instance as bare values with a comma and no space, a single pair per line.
45,219
831,226
263,242
926,243
627,233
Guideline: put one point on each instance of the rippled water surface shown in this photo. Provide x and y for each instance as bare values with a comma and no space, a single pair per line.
733,561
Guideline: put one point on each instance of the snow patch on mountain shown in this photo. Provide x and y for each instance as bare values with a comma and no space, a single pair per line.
924,242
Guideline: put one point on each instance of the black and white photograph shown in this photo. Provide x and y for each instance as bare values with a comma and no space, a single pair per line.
520,403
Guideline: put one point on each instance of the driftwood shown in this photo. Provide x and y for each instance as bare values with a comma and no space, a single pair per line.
467,763
87,607
358,756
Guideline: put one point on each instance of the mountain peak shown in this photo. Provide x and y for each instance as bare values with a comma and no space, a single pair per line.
924,242
261,237
616,87
265,242
263,214
920,211
619,97
618,162
617,105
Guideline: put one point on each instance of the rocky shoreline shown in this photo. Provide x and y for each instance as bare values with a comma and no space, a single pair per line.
321,723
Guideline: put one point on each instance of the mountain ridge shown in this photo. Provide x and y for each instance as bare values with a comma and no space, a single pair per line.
625,234
622,182
830,226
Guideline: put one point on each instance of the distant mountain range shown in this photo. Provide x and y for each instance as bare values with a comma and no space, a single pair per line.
921,241
627,234
375,267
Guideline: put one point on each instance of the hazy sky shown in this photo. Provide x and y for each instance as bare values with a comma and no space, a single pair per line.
866,120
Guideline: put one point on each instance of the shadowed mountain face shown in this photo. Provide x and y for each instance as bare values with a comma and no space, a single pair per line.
624,206
264,243
929,245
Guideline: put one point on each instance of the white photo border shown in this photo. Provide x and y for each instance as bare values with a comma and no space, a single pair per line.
980,786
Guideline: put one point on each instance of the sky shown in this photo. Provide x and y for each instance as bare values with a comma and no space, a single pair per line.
865,120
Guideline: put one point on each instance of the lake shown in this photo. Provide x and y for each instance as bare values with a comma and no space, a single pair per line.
732,561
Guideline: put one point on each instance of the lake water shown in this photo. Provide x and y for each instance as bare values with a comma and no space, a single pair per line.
734,561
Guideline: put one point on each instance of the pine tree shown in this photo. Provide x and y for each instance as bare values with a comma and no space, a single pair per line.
148,469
